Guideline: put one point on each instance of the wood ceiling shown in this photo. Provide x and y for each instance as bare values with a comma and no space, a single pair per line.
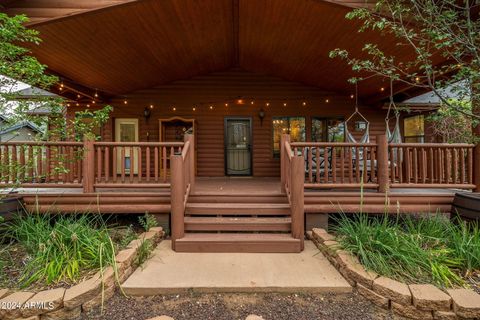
121,46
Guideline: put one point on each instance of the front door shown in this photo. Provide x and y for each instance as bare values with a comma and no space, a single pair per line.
238,146
126,130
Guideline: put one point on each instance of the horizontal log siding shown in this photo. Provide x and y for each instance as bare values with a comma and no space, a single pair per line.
220,87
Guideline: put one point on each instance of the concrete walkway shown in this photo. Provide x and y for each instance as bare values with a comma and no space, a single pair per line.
171,272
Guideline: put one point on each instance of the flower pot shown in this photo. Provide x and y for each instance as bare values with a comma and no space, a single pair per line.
10,206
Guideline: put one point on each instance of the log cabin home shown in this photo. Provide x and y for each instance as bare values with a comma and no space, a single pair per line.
229,121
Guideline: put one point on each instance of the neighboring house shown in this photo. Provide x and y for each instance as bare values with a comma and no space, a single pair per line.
23,131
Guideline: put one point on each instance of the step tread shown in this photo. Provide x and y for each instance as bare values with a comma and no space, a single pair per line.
239,205
243,220
237,237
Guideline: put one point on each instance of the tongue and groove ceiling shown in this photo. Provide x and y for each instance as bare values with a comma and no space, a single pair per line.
120,46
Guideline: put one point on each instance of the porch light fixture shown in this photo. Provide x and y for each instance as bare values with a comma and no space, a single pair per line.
147,113
261,115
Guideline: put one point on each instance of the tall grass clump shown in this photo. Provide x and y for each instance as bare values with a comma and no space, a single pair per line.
414,250
62,248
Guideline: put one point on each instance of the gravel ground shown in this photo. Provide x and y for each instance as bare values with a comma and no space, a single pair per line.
238,306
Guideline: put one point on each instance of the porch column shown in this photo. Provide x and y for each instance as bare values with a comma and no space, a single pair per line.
283,161
177,195
88,178
476,152
382,163
191,160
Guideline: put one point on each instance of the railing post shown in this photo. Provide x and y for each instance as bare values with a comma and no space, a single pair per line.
88,178
297,197
476,167
283,161
191,160
177,197
382,163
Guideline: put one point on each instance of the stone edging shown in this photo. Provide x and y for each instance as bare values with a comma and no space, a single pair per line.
419,301
61,303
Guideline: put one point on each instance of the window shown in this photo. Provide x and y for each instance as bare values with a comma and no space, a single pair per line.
414,129
295,126
328,130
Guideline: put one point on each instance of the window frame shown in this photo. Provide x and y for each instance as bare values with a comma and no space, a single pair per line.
325,127
276,155
418,137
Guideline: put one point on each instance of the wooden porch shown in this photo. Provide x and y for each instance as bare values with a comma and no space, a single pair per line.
239,214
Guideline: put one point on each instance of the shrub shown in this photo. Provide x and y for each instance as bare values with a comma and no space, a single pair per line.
62,247
143,253
147,221
414,250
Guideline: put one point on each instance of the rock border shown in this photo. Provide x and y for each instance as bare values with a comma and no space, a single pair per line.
61,303
418,301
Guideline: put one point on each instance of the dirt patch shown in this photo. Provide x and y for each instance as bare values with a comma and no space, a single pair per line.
238,306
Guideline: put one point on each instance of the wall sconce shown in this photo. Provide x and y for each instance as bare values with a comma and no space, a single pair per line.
147,113
261,115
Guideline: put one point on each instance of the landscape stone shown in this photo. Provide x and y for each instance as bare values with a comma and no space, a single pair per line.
373,297
344,258
108,277
429,297
253,317
321,235
82,292
149,235
125,274
466,303
411,311
134,244
444,315
393,290
44,301
108,292
62,314
125,256
358,273
3,292
13,304
161,318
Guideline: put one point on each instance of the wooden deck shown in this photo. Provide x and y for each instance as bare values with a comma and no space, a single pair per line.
157,200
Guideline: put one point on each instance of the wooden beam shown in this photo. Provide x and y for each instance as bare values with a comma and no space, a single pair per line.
236,37
42,12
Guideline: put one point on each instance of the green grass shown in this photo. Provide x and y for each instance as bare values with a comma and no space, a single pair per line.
147,221
414,250
62,248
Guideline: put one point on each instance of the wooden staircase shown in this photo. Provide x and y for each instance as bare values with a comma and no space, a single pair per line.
237,223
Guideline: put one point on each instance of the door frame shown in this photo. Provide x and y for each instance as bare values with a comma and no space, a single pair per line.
225,132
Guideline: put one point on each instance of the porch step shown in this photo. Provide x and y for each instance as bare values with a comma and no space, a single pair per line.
237,242
237,209
203,198
237,224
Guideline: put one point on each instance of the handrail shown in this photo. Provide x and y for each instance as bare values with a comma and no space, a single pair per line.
42,143
182,184
331,144
432,145
139,144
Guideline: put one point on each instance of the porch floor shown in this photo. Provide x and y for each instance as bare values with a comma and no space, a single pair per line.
227,186
171,272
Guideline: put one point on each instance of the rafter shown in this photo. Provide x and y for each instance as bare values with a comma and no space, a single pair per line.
43,11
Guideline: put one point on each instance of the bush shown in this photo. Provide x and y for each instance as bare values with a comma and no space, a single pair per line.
147,221
63,247
414,250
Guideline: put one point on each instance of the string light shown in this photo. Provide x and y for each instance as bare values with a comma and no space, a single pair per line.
226,104
96,93
211,107
125,101
78,96
194,109
327,100
251,102
284,104
382,89
174,109
93,102
267,104
78,104
417,79
151,106
68,104
304,103
88,105
352,96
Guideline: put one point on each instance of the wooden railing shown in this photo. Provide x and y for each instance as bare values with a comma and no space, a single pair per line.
134,164
292,166
41,164
382,166
431,165
88,164
338,165
182,184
